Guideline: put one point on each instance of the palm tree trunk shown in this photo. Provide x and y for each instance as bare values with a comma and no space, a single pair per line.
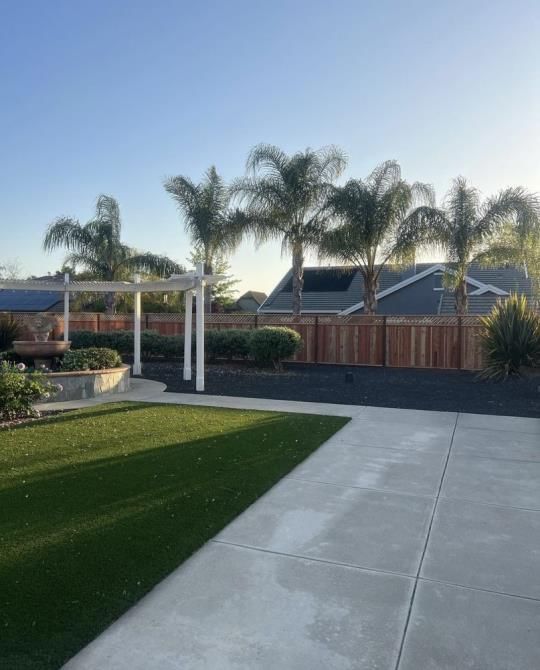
461,297
298,279
110,303
370,295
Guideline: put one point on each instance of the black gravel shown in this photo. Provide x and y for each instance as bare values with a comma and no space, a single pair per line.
443,390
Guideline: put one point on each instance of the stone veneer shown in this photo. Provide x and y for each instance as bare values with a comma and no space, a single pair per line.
89,383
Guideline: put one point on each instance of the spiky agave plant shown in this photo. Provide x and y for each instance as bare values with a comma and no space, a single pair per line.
510,338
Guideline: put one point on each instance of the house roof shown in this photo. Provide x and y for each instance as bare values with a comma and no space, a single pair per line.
258,296
28,301
336,290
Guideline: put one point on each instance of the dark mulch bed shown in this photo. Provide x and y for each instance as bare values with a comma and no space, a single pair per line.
444,390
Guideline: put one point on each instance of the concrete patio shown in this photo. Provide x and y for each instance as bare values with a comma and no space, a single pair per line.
409,540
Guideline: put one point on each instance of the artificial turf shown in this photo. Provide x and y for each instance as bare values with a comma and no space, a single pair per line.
98,505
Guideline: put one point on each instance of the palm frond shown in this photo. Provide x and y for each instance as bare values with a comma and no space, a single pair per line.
267,157
97,269
511,204
68,233
108,213
149,263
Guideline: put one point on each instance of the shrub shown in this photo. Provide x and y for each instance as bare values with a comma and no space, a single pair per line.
152,343
94,358
120,340
9,331
510,338
271,345
19,390
230,343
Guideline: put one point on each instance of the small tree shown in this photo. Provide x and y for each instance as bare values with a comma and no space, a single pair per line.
223,292
10,269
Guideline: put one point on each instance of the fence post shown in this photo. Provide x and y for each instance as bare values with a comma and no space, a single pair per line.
460,341
146,321
384,338
98,322
316,347
256,321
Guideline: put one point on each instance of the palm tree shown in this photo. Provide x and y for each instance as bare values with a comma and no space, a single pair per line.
371,231
517,243
214,229
286,198
96,247
464,227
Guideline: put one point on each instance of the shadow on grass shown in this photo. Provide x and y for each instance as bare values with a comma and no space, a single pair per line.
84,541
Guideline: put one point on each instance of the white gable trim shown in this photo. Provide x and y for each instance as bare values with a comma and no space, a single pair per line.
489,288
438,267
406,282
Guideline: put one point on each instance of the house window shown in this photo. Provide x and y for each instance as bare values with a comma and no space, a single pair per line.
438,281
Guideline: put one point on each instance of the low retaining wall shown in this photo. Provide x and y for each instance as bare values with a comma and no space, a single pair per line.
89,383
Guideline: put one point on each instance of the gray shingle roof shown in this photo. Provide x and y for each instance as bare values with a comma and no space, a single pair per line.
324,299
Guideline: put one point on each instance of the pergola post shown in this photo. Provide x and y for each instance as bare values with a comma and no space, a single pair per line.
137,331
199,381
188,327
66,306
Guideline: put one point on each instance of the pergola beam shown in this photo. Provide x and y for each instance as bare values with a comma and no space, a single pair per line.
178,283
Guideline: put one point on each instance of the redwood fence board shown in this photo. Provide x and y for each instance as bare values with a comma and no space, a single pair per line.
443,342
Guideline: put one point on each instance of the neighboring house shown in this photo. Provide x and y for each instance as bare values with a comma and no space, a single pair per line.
416,289
31,301
250,301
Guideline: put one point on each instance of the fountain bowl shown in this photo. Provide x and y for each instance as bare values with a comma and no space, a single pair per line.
41,352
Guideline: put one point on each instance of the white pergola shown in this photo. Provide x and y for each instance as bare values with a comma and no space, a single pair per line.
190,283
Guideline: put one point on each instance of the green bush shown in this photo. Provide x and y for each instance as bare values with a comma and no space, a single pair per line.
272,345
19,391
120,340
510,338
94,358
152,343
9,331
230,343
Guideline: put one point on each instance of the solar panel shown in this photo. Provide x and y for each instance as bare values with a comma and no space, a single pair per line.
28,301
325,279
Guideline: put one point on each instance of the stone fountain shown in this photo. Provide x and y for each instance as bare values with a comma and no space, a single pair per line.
41,349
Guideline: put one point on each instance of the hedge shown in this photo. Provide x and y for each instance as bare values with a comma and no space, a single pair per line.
230,343
267,346
152,343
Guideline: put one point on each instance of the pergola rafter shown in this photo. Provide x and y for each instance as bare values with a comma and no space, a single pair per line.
191,283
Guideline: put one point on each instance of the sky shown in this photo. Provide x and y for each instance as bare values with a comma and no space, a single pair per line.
114,96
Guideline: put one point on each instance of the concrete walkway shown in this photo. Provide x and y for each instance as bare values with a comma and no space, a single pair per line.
409,540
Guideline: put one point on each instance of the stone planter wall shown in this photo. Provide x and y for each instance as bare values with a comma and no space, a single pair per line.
89,383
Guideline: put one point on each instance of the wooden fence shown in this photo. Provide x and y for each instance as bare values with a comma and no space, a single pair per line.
444,342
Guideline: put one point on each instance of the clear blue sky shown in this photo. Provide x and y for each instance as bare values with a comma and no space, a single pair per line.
111,97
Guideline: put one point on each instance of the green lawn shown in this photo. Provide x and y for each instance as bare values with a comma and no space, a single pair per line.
98,505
